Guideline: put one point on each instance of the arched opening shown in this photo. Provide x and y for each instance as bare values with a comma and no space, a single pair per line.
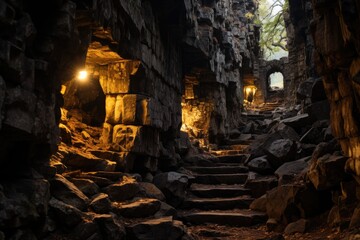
276,81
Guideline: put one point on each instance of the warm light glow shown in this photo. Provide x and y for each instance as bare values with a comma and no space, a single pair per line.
82,75
249,93
63,89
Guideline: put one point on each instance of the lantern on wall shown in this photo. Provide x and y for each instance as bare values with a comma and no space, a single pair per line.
249,93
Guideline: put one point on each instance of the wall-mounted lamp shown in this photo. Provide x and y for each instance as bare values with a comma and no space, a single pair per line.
82,76
249,93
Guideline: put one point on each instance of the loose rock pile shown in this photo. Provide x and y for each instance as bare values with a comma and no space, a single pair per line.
87,196
299,150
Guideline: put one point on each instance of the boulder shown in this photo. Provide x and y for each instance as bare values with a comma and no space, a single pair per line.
88,162
299,226
259,204
67,192
259,184
260,165
313,136
305,150
88,187
316,133
282,131
249,128
101,203
140,208
65,134
165,210
288,203
173,185
327,171
149,190
125,190
277,132
304,90
111,226
157,229
281,151
297,122
288,171
65,214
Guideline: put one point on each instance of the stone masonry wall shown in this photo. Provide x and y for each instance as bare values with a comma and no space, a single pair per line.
221,44
300,45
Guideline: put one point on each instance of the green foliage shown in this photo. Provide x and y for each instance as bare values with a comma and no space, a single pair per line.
271,18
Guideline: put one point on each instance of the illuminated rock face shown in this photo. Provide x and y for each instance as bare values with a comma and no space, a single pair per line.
336,37
221,46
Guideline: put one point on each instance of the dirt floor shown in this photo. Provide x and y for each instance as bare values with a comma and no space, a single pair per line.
215,232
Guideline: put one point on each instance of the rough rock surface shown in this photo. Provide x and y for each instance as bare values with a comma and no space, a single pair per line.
173,185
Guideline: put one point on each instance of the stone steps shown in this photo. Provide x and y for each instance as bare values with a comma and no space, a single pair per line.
236,158
219,169
231,218
217,193
235,178
208,191
240,202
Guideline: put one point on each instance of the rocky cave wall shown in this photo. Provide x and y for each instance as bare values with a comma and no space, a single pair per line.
324,41
220,47
43,44
40,52
337,40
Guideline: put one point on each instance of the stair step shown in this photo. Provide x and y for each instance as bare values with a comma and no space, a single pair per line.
236,178
219,169
237,158
202,190
217,203
239,218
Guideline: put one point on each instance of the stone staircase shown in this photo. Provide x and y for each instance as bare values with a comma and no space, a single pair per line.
217,194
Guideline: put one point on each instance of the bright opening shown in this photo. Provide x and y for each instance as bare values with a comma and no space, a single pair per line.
276,81
82,75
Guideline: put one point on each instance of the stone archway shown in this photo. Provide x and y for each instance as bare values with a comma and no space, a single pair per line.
266,69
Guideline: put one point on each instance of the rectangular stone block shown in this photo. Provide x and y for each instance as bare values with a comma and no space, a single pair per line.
107,134
110,106
133,109
20,109
137,139
115,79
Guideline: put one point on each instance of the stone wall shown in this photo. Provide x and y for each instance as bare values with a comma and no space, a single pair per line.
300,45
221,45
137,53
264,93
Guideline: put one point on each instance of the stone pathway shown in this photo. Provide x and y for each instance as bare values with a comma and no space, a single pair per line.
218,195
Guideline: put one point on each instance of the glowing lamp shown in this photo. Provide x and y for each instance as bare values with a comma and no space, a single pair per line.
250,93
82,75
